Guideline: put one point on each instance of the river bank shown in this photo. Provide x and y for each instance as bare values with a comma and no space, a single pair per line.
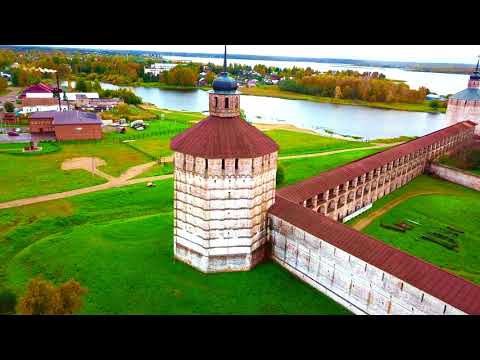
274,91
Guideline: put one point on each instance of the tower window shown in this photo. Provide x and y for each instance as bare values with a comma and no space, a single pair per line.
223,164
226,103
206,164
236,163
216,101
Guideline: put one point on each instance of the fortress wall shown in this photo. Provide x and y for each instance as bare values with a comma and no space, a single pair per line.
359,286
346,198
456,176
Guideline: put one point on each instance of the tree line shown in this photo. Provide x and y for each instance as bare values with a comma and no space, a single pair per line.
355,86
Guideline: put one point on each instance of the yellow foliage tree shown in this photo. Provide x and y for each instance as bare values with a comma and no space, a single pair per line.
43,298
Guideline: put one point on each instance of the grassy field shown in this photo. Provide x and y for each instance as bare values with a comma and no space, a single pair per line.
274,91
454,206
297,143
118,244
26,176
302,168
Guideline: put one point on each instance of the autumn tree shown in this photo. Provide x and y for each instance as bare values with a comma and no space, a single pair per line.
338,92
3,84
43,298
210,77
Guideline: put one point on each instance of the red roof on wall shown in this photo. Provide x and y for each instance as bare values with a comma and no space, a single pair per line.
218,137
307,189
439,283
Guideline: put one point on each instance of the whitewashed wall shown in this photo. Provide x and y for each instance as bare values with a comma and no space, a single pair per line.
359,286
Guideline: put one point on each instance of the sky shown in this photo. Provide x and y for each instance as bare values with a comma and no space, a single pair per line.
467,54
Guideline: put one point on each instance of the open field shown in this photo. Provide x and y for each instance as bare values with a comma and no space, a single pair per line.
274,91
302,168
118,244
434,204
31,175
293,143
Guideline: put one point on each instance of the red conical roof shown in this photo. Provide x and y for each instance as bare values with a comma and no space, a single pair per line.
223,137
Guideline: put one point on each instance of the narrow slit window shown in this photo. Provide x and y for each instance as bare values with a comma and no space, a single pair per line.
223,164
236,163
216,101
226,103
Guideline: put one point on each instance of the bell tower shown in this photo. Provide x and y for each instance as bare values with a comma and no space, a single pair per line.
224,99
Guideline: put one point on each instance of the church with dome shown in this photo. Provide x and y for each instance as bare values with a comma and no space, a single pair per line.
465,105
229,216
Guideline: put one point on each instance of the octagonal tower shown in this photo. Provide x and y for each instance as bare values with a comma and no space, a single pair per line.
465,105
224,184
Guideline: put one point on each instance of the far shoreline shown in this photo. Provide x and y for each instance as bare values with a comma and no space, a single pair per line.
274,92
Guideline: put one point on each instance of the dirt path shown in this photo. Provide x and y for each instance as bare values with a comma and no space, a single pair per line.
62,195
325,153
363,223
126,178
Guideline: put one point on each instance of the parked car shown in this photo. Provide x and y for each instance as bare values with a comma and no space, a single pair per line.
13,133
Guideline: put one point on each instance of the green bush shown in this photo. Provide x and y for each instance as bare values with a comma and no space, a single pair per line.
8,301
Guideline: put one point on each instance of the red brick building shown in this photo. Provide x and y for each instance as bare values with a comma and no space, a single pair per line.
67,125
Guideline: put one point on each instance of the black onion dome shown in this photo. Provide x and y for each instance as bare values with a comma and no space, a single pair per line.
475,76
223,82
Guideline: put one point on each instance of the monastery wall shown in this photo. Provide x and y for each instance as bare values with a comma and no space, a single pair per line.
348,197
220,210
359,286
456,176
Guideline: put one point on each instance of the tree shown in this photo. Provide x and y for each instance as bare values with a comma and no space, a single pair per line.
434,104
3,84
280,175
81,85
338,92
43,298
8,301
9,107
210,77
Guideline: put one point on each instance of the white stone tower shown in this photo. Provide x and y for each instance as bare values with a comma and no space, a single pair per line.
465,105
224,184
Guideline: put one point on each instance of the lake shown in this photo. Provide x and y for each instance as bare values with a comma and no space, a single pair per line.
362,121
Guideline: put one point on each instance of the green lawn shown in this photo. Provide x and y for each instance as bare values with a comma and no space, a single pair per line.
299,169
458,207
296,143
118,244
26,176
